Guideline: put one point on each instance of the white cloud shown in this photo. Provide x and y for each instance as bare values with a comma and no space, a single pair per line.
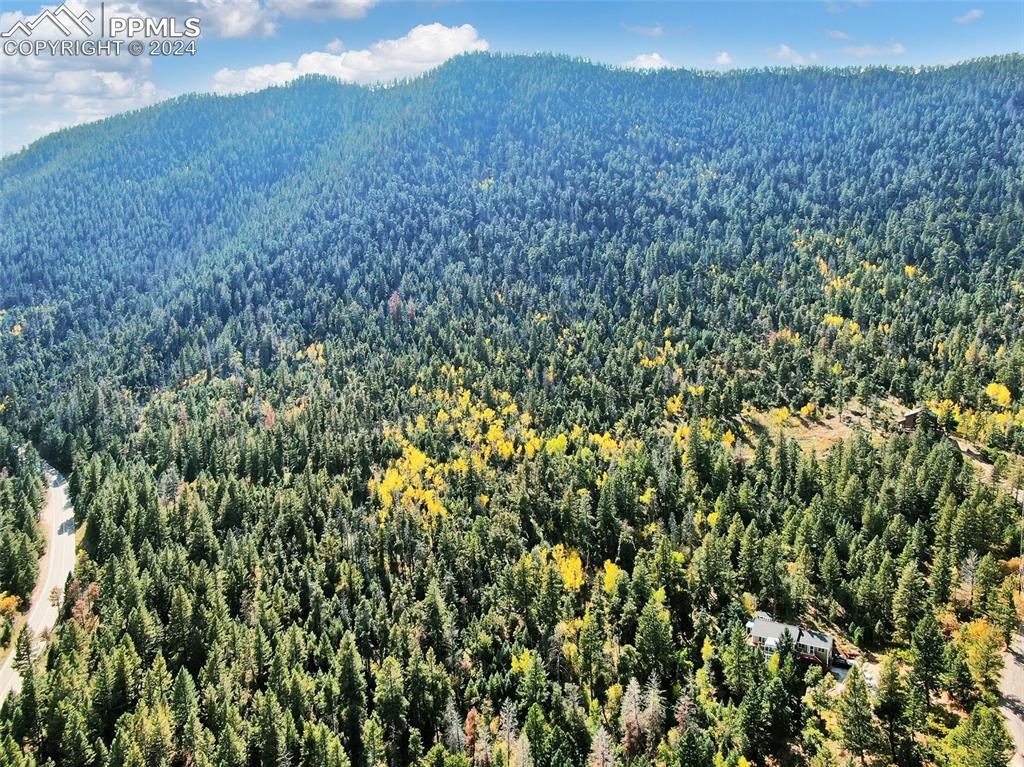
36,100
656,31
236,18
221,18
423,48
321,9
648,61
253,18
723,57
832,6
335,46
40,94
972,15
92,94
837,34
869,51
788,55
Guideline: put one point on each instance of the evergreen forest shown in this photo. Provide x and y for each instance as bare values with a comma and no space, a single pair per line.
470,420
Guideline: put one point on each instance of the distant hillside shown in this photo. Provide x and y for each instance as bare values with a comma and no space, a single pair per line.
205,225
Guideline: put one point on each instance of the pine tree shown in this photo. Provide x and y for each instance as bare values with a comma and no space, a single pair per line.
981,740
535,731
890,706
748,556
941,575
352,695
180,626
30,705
654,639
602,750
23,649
736,662
754,721
652,717
533,687
590,647
11,754
507,733
390,704
908,601
184,701
1001,610
831,571
926,656
76,749
454,740
321,748
231,749
273,745
986,580
777,721
437,622
858,732
990,743
373,743
956,675
629,719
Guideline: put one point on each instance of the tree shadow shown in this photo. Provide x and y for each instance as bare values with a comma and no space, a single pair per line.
1014,704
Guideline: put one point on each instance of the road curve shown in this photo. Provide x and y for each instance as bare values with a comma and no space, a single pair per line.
58,518
1011,696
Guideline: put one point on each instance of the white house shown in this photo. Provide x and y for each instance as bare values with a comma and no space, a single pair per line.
765,633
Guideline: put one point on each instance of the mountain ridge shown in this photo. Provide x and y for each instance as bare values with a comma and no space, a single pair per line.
262,196
299,82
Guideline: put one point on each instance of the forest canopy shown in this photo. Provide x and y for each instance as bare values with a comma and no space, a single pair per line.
416,425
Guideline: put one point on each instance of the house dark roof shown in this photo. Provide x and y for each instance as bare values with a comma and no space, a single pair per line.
770,631
813,638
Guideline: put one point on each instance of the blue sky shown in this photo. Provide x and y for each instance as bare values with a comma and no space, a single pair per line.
248,44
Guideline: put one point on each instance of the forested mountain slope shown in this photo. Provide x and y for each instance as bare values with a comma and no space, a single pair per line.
408,423
736,206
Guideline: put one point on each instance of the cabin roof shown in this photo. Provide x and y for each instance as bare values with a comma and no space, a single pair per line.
771,631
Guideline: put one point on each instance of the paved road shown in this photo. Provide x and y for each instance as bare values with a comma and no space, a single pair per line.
1011,696
58,517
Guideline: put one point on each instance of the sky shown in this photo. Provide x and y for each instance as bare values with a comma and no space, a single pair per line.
252,44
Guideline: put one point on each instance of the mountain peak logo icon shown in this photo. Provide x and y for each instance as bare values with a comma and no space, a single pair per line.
62,17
